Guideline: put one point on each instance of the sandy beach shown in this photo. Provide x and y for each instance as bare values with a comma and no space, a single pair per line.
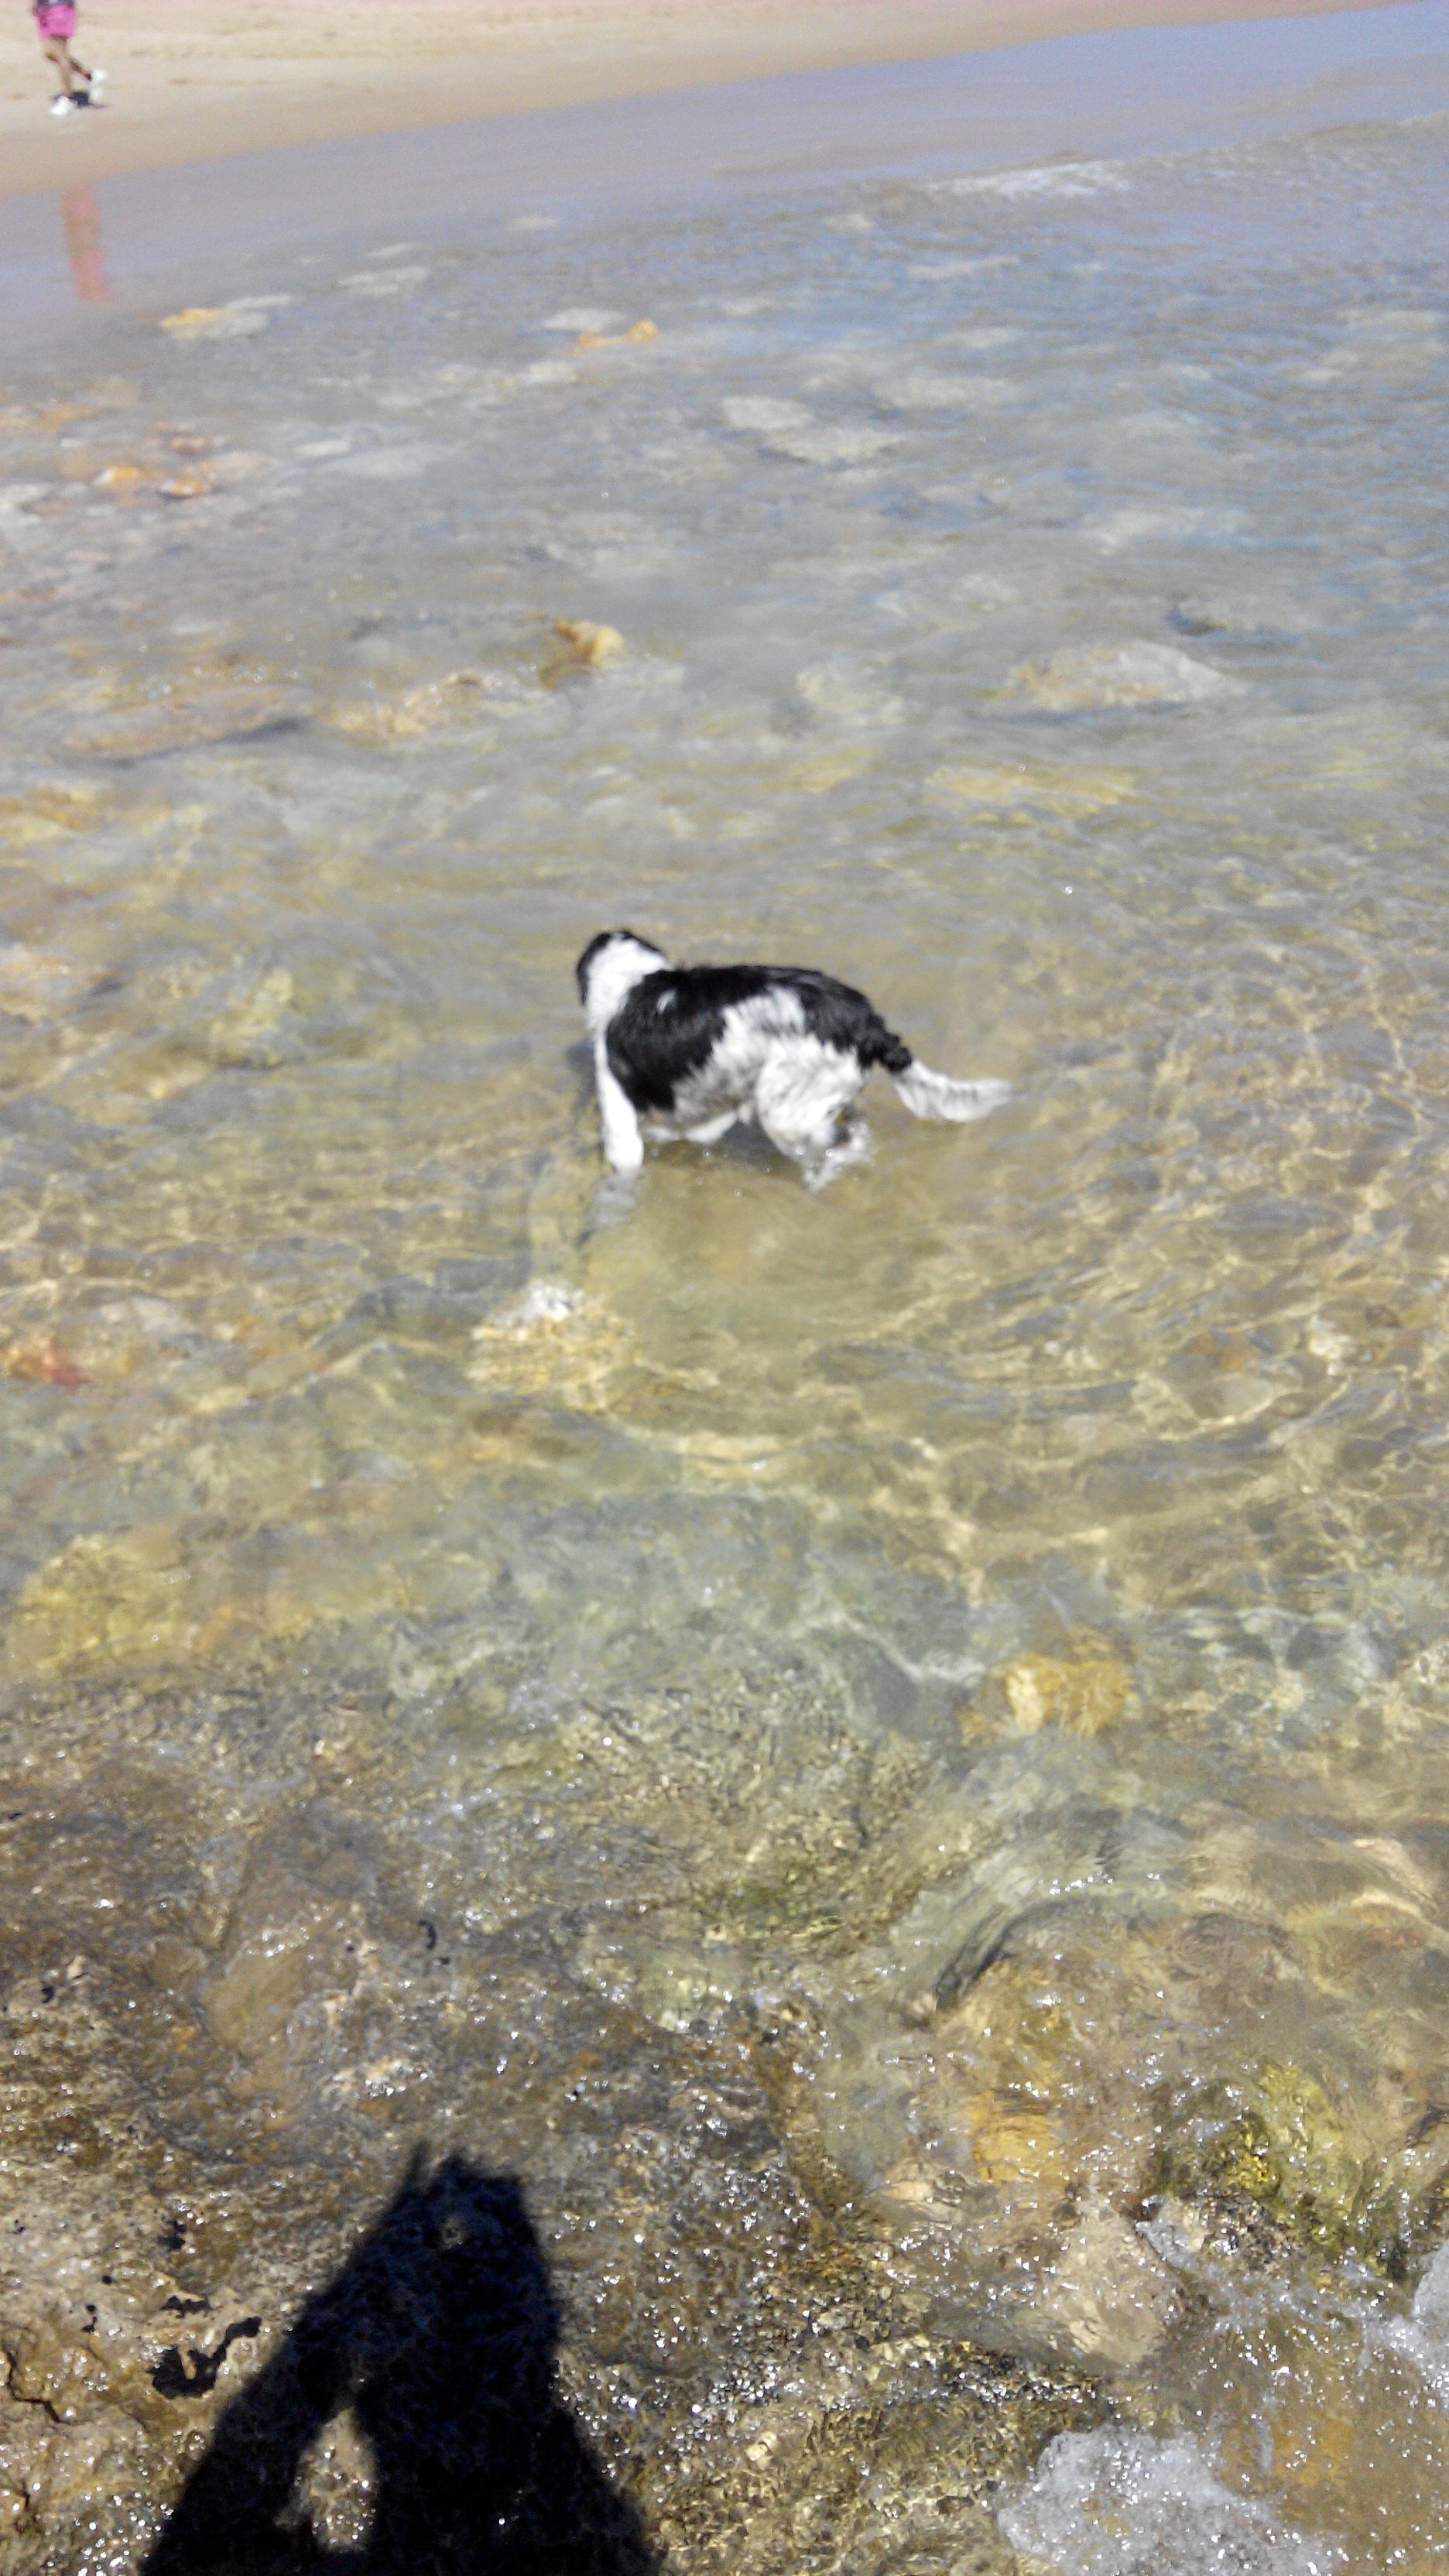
190,79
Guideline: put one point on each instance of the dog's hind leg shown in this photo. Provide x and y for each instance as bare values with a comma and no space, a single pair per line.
801,1099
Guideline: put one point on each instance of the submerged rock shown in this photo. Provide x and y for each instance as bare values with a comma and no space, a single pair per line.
581,646
1108,2299
638,335
384,281
1080,678
45,1363
927,389
424,710
1395,343
847,690
788,429
846,445
49,813
181,723
187,487
1279,2144
32,985
239,320
556,1342
102,1601
1083,1691
1015,2140
767,415
1035,786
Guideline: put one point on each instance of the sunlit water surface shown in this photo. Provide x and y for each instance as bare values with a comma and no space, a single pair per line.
1031,602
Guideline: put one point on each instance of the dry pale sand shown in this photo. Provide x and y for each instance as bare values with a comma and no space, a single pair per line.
193,78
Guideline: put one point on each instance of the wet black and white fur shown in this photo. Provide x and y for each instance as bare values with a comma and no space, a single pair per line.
694,1050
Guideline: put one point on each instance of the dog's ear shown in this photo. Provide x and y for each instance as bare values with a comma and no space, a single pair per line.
581,971
595,948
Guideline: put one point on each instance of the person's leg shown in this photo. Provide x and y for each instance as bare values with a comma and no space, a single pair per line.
57,52
75,80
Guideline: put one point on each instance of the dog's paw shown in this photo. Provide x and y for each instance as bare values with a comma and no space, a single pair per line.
611,1203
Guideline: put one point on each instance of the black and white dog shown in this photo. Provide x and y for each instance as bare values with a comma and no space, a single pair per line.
693,1050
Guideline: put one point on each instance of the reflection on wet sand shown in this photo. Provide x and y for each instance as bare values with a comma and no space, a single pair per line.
81,219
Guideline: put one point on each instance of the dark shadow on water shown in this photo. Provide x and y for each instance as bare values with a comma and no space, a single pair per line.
440,2334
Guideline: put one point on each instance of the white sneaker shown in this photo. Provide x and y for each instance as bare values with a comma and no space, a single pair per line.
99,78
62,106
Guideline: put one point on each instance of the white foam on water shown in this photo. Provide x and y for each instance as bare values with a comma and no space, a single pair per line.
1049,179
1110,530
1116,2503
764,414
935,271
388,281
1422,2337
586,317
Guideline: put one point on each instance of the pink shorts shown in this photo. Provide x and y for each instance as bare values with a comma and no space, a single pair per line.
56,18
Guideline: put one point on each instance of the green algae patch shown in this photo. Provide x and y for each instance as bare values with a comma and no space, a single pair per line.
1279,2144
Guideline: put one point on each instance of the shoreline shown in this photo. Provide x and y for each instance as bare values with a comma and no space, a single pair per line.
258,77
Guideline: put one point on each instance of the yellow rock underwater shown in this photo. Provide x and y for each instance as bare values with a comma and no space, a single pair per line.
581,646
1084,1690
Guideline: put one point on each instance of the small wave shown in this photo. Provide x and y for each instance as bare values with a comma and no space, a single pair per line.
1043,179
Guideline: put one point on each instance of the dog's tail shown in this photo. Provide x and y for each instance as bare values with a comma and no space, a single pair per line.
936,1095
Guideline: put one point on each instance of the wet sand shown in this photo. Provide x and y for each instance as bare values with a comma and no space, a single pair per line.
191,79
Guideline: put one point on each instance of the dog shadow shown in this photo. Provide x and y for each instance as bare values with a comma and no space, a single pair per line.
579,1057
440,2335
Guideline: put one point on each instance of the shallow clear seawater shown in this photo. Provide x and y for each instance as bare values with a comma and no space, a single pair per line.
1031,590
